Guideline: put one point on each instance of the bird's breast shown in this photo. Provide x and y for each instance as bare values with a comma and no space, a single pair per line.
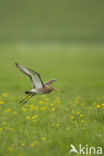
47,89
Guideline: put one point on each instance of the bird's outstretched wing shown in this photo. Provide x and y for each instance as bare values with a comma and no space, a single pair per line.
34,76
49,82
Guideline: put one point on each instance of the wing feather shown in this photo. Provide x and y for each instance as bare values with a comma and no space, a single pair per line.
34,76
49,82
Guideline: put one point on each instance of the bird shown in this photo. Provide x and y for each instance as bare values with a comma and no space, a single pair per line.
38,86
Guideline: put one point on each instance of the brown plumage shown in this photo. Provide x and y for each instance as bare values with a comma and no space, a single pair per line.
46,89
38,86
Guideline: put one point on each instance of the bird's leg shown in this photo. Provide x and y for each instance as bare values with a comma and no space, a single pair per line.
28,98
25,98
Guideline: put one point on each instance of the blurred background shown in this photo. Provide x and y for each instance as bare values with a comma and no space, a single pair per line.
57,20
61,39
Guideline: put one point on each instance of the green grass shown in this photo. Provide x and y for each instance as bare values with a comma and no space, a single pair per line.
68,20
79,70
62,40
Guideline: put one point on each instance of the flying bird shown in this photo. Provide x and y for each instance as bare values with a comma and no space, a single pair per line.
38,86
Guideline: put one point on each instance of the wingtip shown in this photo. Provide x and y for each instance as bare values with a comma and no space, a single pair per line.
54,79
16,64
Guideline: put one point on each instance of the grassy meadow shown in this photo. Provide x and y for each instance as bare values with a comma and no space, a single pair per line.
48,124
62,40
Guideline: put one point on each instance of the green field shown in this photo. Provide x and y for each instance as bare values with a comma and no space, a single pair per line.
57,20
47,125
62,40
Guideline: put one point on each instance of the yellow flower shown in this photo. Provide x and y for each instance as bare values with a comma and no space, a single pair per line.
32,145
31,109
40,102
0,129
44,95
82,121
5,94
78,113
15,113
35,142
51,104
102,104
1,102
76,101
72,117
43,108
81,115
22,144
10,149
4,123
11,129
36,108
46,99
8,110
82,104
53,109
73,112
57,124
58,101
43,138
34,120
24,109
53,124
31,105
98,106
35,116
27,117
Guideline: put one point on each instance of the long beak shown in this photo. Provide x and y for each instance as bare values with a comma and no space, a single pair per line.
58,90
